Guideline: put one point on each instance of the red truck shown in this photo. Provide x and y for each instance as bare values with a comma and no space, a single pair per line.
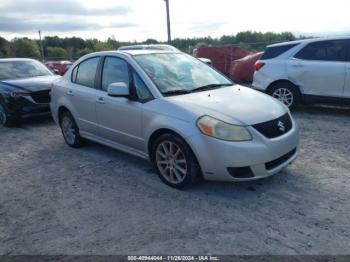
233,61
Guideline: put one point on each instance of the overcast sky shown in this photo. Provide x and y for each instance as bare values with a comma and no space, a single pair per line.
130,20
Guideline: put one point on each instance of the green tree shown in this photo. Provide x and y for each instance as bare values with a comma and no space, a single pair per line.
84,51
151,41
5,49
56,53
227,39
102,46
25,47
75,47
201,44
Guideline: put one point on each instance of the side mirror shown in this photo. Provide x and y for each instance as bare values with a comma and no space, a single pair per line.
119,89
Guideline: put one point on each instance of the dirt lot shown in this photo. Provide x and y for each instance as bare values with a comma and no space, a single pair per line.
95,200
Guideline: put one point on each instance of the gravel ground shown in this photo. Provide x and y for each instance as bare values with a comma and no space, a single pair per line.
95,200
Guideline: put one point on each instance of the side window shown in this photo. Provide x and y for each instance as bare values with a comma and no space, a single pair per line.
84,73
141,89
334,50
114,70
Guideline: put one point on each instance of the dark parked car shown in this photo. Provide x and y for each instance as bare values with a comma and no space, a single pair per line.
24,89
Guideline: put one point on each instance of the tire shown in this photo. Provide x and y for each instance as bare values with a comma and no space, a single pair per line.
70,130
5,118
286,93
174,161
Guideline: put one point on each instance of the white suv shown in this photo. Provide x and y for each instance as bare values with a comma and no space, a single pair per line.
309,71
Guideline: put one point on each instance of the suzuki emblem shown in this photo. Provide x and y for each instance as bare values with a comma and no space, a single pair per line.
281,126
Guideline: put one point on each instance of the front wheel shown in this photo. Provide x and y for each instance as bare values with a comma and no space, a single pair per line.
287,93
175,162
70,130
5,118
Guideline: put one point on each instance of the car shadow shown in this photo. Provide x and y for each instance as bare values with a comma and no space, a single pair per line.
35,121
204,190
147,174
323,110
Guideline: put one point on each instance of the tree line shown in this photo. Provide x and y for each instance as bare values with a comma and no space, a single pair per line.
71,48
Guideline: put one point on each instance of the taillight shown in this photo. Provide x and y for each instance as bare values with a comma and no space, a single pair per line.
258,66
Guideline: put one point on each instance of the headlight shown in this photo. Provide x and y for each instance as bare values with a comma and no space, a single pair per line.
221,130
15,94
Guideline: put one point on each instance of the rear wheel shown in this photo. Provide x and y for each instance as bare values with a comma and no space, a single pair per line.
70,130
287,93
175,162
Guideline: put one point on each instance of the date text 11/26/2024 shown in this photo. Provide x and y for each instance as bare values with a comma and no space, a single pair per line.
173,258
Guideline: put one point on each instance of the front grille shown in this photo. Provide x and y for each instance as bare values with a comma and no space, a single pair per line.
41,97
279,161
276,127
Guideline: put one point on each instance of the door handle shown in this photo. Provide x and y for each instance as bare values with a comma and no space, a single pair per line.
100,100
70,93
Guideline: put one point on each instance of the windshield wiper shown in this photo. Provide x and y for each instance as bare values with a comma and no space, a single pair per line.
209,87
176,92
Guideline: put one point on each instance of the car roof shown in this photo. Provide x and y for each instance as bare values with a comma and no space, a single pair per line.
147,51
16,59
152,46
135,52
310,40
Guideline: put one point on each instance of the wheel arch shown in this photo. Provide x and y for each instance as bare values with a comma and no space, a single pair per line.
162,131
158,133
60,111
273,84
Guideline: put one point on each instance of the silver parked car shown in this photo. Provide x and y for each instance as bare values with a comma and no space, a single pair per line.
188,119
309,71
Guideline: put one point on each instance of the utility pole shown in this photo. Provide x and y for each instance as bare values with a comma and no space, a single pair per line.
41,48
168,20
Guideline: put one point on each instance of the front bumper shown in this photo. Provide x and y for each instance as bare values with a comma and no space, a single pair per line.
25,107
243,161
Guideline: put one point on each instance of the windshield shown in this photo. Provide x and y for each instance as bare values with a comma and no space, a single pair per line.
174,73
22,69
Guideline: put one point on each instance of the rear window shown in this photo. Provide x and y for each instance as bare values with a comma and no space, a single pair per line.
272,52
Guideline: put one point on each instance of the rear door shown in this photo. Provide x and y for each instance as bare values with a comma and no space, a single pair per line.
82,94
320,68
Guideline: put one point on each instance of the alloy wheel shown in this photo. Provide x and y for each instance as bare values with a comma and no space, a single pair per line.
284,95
171,162
68,129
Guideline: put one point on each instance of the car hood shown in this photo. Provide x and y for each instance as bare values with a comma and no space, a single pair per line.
235,104
31,84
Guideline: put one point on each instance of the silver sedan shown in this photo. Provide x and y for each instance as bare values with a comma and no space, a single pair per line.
187,118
